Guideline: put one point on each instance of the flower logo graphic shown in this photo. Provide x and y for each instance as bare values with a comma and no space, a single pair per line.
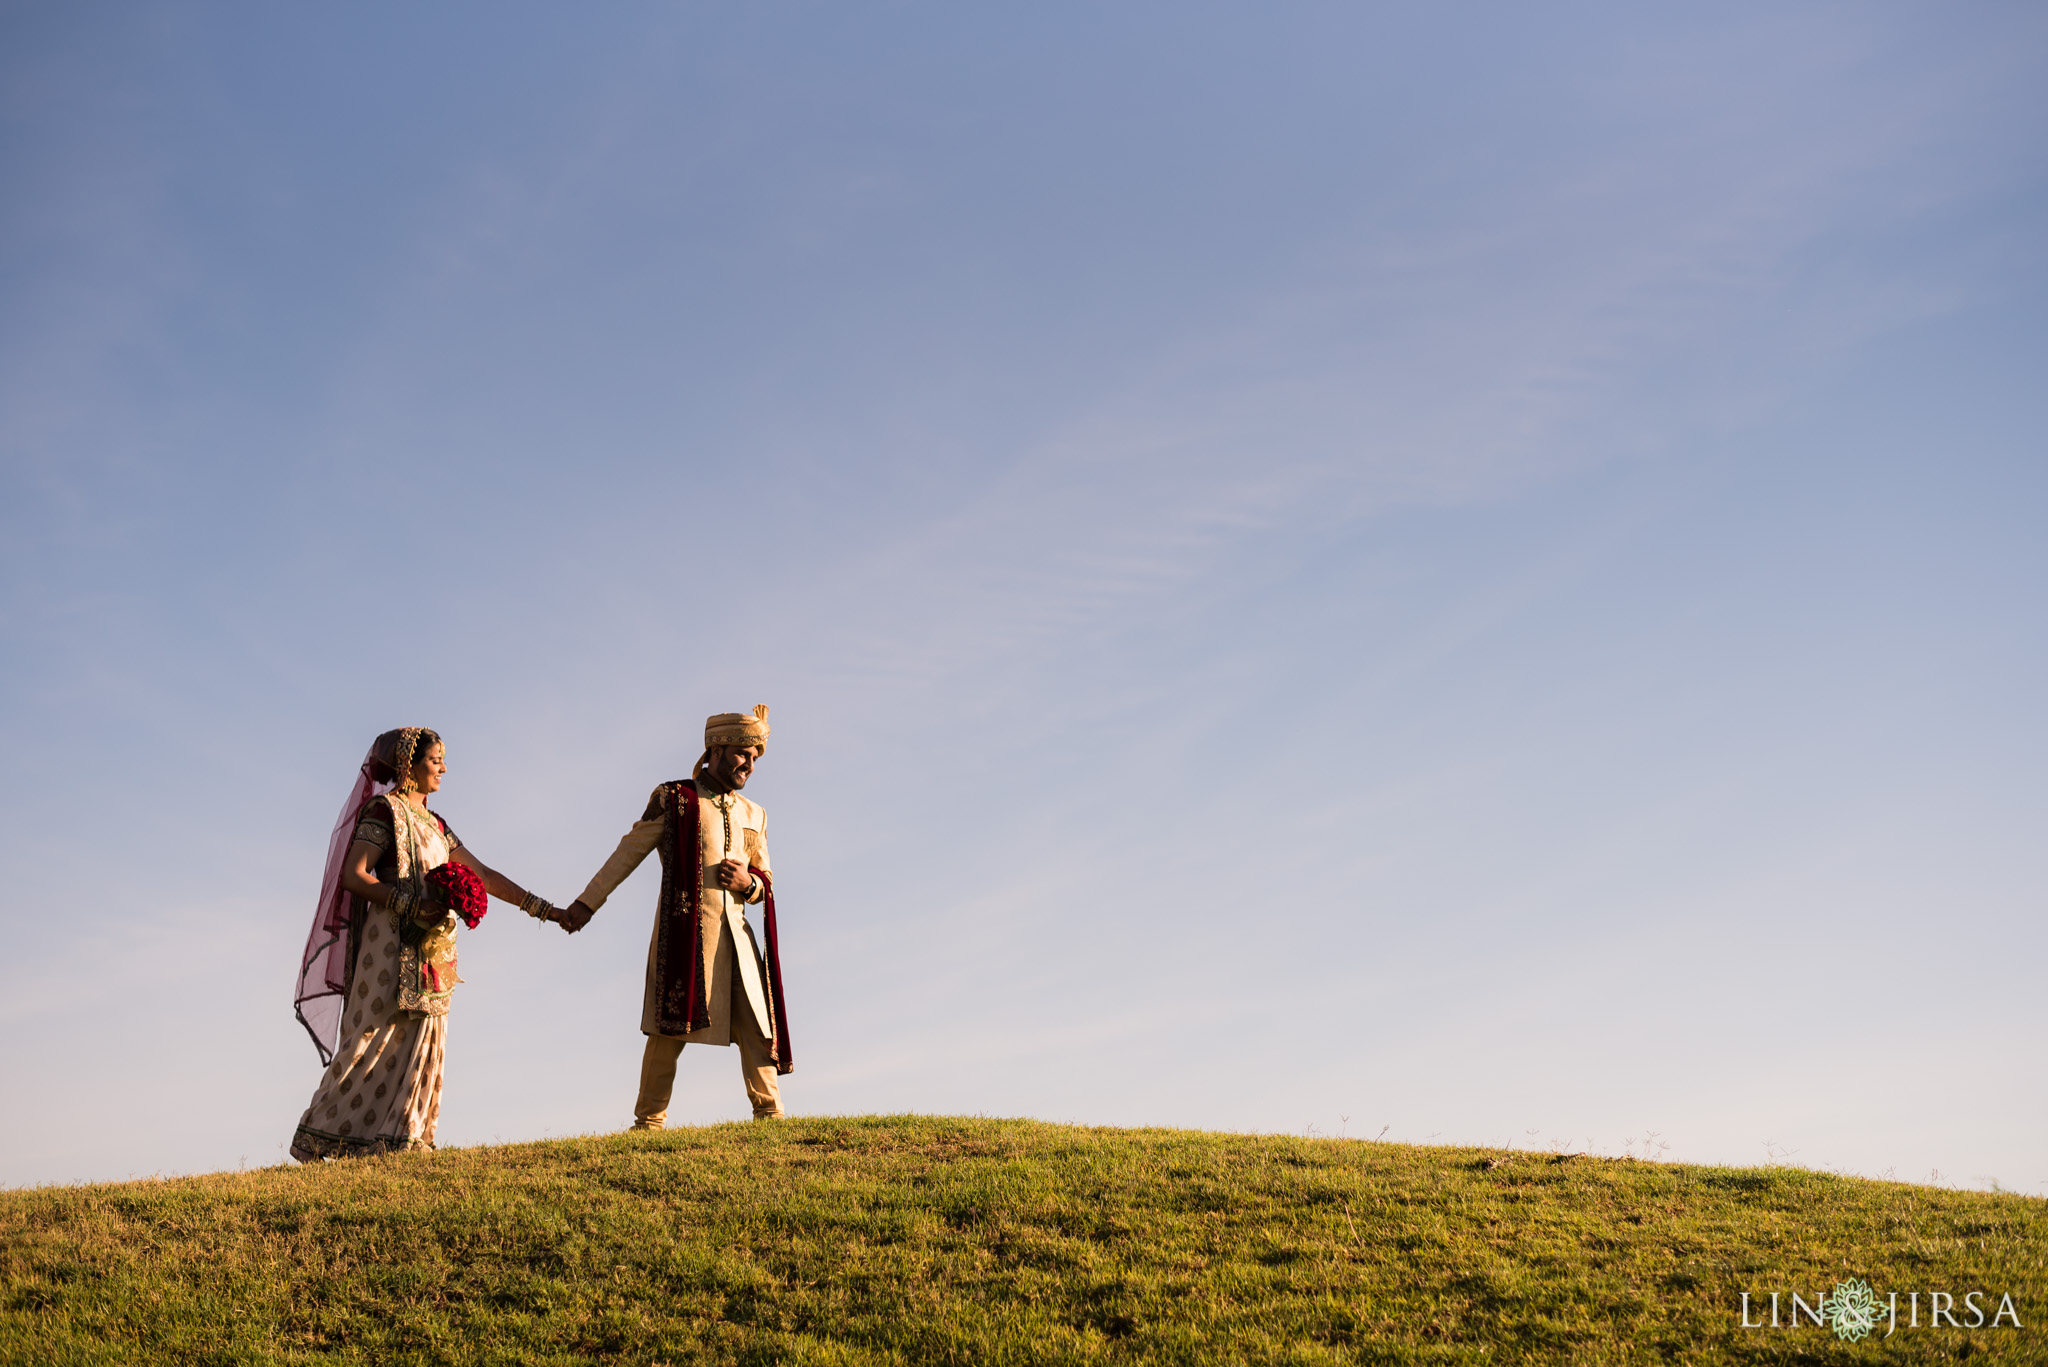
1853,1310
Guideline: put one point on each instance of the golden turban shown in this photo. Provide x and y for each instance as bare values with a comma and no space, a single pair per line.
738,728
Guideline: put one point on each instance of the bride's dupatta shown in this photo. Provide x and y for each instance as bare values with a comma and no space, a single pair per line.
323,968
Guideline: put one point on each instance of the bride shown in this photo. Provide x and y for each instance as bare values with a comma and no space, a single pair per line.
379,967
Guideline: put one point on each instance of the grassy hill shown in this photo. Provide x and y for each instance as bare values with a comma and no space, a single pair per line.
918,1240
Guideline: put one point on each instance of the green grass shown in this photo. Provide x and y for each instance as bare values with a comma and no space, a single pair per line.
916,1240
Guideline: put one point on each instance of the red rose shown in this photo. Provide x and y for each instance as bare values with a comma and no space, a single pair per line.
461,890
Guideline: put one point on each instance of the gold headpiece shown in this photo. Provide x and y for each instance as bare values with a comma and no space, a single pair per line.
738,728
408,740
399,749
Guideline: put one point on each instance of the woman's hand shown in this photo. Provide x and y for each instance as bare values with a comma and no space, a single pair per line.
495,883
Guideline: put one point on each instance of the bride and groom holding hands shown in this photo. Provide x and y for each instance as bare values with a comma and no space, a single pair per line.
379,969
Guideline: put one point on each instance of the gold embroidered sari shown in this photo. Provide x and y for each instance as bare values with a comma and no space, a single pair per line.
382,1091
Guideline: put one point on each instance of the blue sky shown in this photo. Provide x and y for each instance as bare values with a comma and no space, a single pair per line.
1469,573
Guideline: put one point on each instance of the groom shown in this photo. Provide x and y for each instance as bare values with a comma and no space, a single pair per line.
708,982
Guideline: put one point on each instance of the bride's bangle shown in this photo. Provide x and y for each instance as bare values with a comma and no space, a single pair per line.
537,906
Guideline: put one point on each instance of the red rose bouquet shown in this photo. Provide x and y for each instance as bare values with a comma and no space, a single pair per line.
458,886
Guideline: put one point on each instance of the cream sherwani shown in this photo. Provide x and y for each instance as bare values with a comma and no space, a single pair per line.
728,827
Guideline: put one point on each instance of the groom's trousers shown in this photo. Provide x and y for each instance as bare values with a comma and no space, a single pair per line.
658,1073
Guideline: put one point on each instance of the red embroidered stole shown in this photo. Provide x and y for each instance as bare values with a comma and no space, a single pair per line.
785,1056
682,1001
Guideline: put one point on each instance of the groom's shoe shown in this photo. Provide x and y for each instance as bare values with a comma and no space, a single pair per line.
651,1122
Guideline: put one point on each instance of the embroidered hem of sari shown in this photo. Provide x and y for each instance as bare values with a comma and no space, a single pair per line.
382,1093
426,958
310,1145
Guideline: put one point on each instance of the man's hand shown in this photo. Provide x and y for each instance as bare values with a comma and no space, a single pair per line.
733,877
574,917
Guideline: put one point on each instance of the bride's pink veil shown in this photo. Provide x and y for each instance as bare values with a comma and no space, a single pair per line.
323,968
